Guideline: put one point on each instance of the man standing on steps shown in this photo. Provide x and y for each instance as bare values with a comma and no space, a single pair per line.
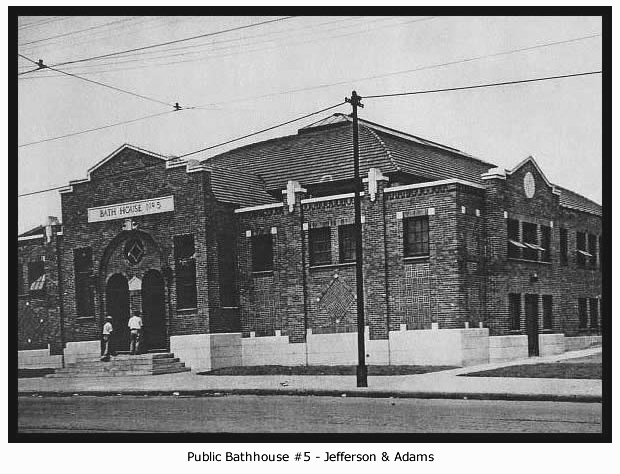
106,339
135,328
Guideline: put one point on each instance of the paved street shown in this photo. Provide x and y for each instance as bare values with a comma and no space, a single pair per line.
250,413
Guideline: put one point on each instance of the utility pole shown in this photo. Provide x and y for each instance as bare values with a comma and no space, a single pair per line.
362,371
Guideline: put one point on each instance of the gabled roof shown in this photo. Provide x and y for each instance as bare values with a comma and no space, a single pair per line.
324,151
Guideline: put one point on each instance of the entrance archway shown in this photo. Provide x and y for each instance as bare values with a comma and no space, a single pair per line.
154,310
117,306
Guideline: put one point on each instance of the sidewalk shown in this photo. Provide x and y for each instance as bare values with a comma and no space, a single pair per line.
445,384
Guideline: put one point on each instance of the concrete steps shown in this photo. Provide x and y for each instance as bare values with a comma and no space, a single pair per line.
122,365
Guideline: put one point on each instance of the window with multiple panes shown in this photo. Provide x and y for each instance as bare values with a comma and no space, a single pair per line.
583,312
20,278
262,253
592,249
547,302
514,310
514,240
545,243
563,246
530,240
594,313
320,241
36,277
347,243
581,249
416,236
185,267
84,289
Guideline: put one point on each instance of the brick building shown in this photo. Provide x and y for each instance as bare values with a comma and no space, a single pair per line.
248,257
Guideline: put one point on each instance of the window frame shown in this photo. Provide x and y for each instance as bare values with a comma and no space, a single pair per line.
515,310
593,250
581,246
547,312
530,252
513,233
347,243
582,312
39,273
419,247
262,253
84,290
563,246
594,322
320,256
545,242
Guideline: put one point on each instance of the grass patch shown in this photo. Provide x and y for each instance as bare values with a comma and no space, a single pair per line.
573,370
326,370
30,373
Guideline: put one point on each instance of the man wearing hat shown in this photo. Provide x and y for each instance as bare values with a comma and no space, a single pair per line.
106,338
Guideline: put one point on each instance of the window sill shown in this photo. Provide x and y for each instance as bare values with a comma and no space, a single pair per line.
524,260
262,273
332,265
187,310
417,259
83,319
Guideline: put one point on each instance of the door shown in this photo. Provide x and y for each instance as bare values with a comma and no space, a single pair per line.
153,311
117,306
531,321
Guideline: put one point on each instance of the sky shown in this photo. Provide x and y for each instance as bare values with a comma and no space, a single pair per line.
236,82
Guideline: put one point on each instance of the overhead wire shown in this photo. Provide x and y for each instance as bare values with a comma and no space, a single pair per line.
118,89
165,43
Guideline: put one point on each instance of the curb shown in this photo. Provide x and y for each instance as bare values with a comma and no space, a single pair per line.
322,393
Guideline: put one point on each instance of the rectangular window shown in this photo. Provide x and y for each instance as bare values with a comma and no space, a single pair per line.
514,240
514,310
581,249
84,290
227,269
545,243
583,313
20,278
592,250
36,277
530,240
347,243
594,313
262,253
547,301
320,246
185,267
416,236
563,246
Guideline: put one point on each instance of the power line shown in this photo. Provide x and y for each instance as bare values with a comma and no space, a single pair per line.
81,132
262,131
118,89
479,86
173,41
52,19
42,191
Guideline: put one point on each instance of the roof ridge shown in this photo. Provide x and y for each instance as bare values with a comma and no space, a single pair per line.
388,152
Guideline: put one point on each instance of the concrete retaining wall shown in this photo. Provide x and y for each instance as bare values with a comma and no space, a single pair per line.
459,347
551,344
582,342
503,348
38,359
272,350
75,350
208,351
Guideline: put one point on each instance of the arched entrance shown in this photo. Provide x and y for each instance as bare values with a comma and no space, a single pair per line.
154,310
117,306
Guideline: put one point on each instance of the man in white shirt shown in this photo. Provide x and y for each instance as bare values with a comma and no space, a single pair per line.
106,337
135,328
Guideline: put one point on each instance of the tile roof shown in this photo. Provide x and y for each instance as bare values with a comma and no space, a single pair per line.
323,152
237,187
576,201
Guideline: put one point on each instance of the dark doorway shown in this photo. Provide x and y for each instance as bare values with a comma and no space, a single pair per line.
531,321
154,311
117,306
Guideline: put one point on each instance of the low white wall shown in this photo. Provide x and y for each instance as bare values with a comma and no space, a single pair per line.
457,347
38,359
272,350
80,350
208,351
582,342
550,344
503,348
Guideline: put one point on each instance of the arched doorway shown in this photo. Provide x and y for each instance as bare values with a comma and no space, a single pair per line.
154,310
117,306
